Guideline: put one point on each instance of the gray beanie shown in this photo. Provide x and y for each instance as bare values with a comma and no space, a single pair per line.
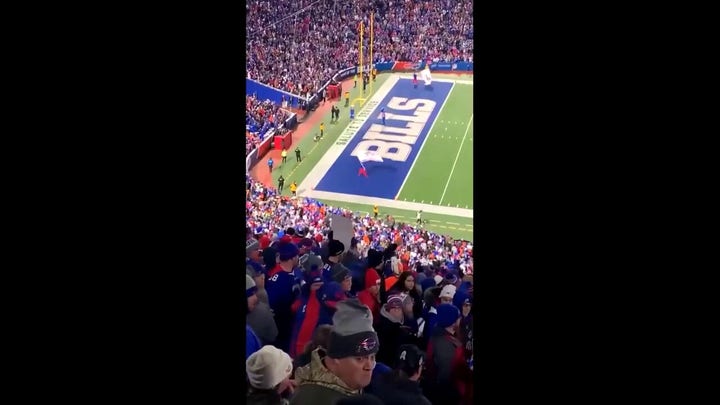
310,262
339,273
251,245
353,333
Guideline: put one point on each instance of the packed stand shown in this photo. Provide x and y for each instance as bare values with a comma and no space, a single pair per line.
260,118
299,46
388,316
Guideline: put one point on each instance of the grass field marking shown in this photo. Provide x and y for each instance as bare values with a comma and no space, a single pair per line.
417,157
364,100
456,81
429,220
456,158
301,162
384,202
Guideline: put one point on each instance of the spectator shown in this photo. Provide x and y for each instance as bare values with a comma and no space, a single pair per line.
406,285
252,342
409,319
300,54
261,117
255,269
320,339
282,289
333,258
448,374
427,248
260,318
391,331
401,385
268,372
307,309
427,325
370,295
374,264
465,334
430,282
346,367
447,293
334,291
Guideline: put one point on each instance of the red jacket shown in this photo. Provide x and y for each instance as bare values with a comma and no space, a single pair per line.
371,302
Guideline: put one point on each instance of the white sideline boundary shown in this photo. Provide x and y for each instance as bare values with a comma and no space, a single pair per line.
384,202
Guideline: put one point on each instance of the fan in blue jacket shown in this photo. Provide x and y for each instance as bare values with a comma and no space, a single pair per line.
282,289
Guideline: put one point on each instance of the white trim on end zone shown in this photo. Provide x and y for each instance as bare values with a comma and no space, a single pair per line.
334,152
427,136
384,202
458,81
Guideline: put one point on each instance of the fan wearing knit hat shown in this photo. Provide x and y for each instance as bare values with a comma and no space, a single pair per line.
346,367
335,249
391,329
370,296
255,269
268,370
333,291
307,310
341,275
448,374
447,293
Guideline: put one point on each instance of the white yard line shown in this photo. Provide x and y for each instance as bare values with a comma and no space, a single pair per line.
425,141
456,81
384,202
456,159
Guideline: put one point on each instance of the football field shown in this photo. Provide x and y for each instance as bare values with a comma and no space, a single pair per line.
426,144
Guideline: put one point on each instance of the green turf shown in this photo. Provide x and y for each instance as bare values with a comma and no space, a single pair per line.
457,227
438,156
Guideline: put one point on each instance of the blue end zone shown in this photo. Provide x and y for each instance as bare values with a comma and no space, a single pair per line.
384,179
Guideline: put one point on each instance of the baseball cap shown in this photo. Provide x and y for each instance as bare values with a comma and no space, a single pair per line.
409,359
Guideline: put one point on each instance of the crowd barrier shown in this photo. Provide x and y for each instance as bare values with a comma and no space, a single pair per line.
291,122
265,145
283,141
250,160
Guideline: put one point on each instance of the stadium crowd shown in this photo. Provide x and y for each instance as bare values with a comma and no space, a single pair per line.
388,316
260,117
298,46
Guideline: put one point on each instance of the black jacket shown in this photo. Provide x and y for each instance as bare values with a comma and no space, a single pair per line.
264,397
392,335
395,390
